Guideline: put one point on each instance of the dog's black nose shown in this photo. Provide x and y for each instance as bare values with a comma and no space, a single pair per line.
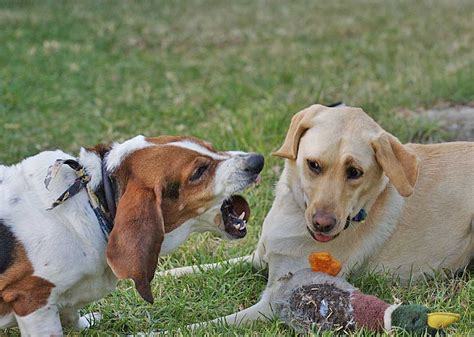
324,221
254,163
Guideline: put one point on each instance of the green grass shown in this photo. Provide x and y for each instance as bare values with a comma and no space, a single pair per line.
77,73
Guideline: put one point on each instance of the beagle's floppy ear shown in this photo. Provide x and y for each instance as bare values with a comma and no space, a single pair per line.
300,122
135,242
399,163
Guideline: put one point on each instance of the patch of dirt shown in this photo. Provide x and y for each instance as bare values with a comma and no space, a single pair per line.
457,120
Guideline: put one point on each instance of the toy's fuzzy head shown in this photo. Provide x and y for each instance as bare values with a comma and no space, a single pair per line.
412,318
418,320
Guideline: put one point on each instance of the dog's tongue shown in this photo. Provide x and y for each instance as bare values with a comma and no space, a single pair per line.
323,238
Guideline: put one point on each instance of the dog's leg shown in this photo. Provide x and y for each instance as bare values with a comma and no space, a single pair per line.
253,259
7,321
70,317
260,311
42,322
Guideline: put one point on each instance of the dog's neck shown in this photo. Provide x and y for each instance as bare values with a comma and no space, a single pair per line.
105,186
92,162
111,157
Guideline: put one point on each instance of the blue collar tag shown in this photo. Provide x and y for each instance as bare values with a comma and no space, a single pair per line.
361,216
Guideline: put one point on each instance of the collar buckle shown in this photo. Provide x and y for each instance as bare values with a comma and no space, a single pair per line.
82,179
359,217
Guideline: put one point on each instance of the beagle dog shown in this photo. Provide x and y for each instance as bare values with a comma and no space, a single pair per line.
70,227
352,189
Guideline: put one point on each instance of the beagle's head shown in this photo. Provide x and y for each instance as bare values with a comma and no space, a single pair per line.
164,182
339,160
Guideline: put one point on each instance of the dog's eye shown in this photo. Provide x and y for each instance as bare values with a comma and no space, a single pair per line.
314,166
353,173
198,172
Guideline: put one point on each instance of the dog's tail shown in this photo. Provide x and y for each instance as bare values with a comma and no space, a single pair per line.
256,262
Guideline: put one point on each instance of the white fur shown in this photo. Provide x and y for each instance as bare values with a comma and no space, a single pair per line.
55,240
8,321
43,322
236,153
186,144
120,151
93,163
230,177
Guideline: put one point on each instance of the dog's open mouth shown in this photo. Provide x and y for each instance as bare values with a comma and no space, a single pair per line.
321,237
235,213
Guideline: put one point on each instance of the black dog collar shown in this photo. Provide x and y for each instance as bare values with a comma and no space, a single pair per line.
104,211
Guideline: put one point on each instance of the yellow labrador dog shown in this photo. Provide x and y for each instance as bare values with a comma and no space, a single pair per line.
352,189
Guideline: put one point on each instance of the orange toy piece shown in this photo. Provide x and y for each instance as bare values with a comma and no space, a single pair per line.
325,263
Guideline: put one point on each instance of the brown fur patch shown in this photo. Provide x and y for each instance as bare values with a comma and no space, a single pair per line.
5,308
20,290
171,190
100,149
171,139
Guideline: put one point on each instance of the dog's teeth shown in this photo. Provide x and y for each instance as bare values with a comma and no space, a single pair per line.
243,225
242,216
237,226
257,180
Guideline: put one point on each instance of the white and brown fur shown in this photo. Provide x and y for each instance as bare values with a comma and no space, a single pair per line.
419,200
53,262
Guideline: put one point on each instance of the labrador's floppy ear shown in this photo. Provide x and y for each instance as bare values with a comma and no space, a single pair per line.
399,163
135,242
300,122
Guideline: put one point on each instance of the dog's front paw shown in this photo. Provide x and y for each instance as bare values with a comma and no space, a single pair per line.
89,320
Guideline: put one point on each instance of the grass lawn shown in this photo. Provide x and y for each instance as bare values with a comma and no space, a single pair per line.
77,73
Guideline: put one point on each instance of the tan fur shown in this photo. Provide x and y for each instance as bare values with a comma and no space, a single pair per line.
419,200
300,122
20,290
399,164
433,229
5,308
